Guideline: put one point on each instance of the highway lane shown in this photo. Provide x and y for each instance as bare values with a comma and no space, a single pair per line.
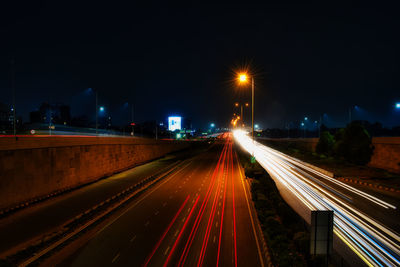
364,222
178,221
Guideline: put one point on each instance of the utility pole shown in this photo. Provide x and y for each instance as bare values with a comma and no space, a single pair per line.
241,114
252,107
133,126
349,115
13,97
319,128
96,114
156,130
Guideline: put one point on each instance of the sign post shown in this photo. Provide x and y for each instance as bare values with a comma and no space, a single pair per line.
321,234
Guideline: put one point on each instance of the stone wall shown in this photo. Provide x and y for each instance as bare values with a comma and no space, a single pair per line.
31,167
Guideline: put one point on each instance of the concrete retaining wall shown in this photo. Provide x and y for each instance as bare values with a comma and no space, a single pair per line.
386,153
37,166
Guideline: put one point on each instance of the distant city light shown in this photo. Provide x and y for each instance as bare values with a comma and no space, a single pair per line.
398,105
101,108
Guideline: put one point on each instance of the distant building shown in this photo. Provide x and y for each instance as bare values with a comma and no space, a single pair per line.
6,117
51,113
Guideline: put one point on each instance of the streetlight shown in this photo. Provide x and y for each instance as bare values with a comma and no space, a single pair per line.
243,79
241,111
350,109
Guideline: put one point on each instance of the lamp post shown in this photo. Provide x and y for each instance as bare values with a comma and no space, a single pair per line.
241,112
13,97
96,113
243,79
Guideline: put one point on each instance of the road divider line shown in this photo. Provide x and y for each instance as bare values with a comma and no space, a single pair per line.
213,209
181,232
165,232
199,216
115,258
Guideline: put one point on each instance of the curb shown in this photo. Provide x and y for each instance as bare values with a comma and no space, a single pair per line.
385,188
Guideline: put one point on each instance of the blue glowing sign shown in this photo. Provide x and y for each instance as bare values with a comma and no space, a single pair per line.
174,123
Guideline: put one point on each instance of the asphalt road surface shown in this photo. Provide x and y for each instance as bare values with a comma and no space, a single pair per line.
197,216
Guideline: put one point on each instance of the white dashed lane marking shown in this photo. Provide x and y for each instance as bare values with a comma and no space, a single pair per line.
115,258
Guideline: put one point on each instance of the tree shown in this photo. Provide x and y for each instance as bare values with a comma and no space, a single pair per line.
354,144
325,143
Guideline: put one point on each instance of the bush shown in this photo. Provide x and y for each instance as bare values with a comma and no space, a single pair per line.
325,143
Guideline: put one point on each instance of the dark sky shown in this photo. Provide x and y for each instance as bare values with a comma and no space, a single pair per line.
308,59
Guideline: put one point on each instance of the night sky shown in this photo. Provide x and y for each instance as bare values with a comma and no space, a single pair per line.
307,59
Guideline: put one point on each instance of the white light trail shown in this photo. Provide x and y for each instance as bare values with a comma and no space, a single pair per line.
373,242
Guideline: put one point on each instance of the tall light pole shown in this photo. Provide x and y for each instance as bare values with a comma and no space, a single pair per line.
96,113
132,123
243,79
13,96
252,107
241,112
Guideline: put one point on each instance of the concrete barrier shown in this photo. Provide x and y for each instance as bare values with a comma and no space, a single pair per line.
35,167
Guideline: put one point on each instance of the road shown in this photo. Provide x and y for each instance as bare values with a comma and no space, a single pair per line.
199,215
364,221
48,216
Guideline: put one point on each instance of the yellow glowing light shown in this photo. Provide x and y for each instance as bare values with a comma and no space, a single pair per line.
242,78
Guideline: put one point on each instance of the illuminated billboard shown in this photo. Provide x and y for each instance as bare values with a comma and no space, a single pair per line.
174,123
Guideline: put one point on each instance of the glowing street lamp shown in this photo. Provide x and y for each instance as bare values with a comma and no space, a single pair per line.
241,111
243,79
